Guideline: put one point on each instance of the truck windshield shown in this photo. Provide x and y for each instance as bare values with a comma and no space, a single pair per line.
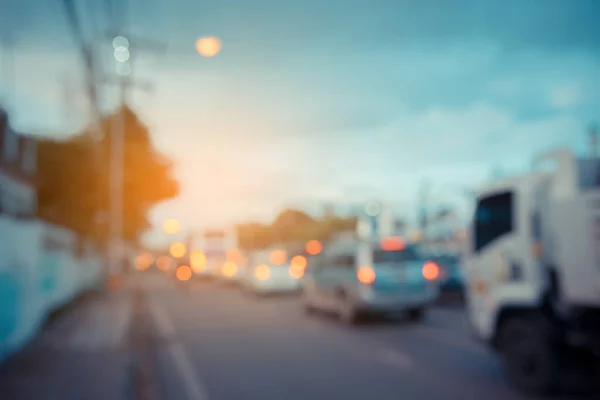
407,254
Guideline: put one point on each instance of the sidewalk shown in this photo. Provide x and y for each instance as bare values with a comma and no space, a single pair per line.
83,354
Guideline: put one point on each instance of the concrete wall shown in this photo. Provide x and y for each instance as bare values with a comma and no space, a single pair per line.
39,272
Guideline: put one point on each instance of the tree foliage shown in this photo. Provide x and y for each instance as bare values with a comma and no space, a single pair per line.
74,179
291,226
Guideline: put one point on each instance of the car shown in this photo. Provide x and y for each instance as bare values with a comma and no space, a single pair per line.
451,273
271,272
363,277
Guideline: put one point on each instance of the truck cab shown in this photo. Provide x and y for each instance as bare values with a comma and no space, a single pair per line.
533,271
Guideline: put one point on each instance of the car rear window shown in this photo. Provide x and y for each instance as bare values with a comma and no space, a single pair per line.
407,254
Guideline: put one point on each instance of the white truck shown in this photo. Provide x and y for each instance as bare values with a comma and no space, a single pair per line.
533,271
215,244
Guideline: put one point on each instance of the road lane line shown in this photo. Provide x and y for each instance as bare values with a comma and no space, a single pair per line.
194,388
121,327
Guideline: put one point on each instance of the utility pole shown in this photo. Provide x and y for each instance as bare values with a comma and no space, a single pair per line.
91,68
125,47
424,192
593,137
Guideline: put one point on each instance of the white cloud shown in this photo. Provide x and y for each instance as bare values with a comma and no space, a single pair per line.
478,133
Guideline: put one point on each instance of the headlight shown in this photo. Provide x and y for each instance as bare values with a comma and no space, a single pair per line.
262,272
229,269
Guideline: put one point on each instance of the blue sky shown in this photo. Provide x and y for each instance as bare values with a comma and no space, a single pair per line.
337,100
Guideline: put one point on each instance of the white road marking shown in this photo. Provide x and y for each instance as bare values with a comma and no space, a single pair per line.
124,313
194,388
396,359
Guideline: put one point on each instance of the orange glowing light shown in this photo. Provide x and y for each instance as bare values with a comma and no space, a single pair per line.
262,272
171,226
277,257
163,263
184,273
314,247
229,269
143,261
299,261
365,275
177,249
209,46
393,244
296,271
431,271
234,255
198,260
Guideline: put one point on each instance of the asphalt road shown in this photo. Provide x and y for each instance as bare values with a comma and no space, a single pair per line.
218,343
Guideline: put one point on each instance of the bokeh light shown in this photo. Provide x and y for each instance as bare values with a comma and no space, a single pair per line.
120,41
314,247
296,271
121,54
209,46
299,261
198,260
183,273
431,271
234,255
163,263
262,272
366,275
143,261
373,208
394,243
277,257
229,269
177,249
171,226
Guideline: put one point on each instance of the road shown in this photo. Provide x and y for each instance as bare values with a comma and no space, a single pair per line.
217,343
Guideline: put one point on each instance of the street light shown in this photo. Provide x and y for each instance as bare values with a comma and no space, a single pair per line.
209,46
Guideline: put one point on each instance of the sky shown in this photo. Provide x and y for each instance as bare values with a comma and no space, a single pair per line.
333,101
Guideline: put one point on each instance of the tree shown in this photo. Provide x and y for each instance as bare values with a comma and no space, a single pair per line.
254,236
74,179
291,226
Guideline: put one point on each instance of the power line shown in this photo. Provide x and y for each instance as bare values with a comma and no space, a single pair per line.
88,60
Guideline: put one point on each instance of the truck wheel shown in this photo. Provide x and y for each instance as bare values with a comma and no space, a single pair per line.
416,314
529,355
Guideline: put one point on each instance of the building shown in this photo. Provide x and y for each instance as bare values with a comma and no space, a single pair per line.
18,159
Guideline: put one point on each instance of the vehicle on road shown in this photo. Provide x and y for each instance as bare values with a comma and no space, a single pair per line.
234,267
354,278
533,267
271,272
209,251
451,273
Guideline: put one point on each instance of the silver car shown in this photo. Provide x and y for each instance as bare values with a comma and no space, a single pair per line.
353,279
271,271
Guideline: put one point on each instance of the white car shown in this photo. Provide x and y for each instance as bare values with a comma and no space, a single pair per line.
272,272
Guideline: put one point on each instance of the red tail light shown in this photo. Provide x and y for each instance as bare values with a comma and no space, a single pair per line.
431,271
